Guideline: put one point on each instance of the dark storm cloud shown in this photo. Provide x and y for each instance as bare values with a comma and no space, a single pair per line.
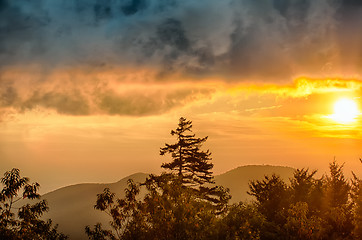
242,37
236,40
283,38
133,6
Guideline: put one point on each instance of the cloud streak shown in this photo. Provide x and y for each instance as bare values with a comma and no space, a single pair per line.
82,94
301,87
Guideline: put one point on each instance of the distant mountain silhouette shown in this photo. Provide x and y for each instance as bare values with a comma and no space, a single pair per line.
237,180
72,207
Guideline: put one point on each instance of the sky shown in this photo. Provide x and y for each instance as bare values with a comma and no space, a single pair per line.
90,89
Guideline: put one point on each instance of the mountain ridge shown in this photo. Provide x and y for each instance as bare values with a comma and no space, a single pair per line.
72,207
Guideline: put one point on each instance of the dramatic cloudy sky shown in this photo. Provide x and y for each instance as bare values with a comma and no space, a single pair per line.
90,89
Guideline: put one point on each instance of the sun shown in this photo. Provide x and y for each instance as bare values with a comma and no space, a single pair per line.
345,111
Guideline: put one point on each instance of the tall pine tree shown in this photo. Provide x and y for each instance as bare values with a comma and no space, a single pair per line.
181,203
192,165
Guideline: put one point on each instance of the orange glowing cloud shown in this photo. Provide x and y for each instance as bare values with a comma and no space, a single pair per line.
302,87
142,91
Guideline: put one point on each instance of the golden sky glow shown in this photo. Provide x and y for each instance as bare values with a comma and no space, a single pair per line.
280,124
89,95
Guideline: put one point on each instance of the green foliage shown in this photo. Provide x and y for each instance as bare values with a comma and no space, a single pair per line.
127,215
27,224
175,212
183,203
271,196
301,224
337,191
98,233
337,211
193,166
168,211
302,185
180,204
309,208
357,206
242,221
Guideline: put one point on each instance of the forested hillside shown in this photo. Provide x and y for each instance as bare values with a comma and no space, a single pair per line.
186,201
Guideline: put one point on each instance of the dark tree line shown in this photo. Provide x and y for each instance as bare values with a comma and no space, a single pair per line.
307,207
184,203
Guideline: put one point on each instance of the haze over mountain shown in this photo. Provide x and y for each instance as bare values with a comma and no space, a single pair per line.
72,207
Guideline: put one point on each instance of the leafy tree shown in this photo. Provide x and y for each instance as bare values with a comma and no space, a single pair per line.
271,201
27,224
179,204
98,233
271,196
127,215
337,211
337,187
183,203
175,212
300,224
302,185
308,208
242,221
303,214
168,211
356,195
288,209
316,202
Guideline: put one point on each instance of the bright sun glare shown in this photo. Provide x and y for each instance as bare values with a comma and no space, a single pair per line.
345,111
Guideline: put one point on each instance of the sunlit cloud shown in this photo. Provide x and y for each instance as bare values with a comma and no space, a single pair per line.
302,87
